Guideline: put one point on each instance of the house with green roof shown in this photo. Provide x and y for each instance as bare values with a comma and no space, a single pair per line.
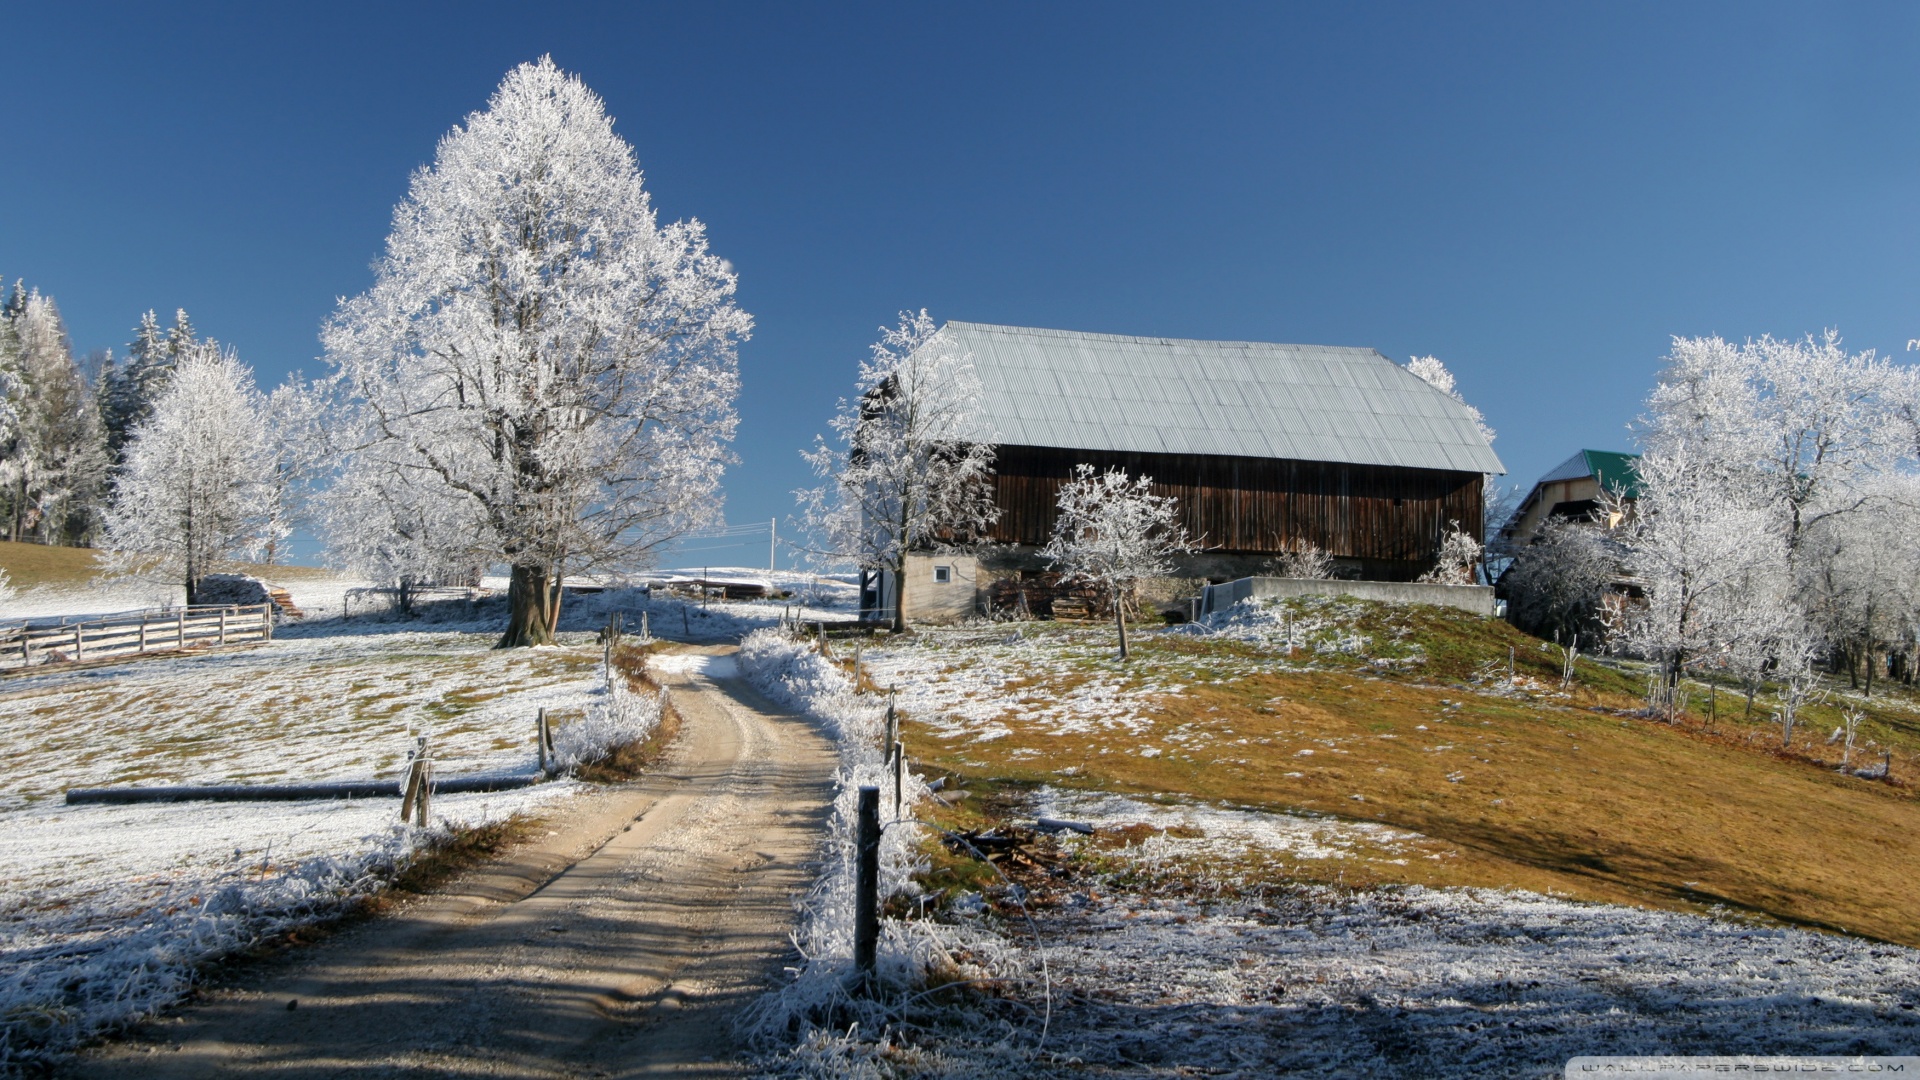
1573,489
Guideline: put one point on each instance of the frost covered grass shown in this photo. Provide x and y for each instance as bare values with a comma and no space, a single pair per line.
110,912
1512,782
1179,945
310,708
820,1023
1412,981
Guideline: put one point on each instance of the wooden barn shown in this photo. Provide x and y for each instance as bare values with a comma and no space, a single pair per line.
1268,448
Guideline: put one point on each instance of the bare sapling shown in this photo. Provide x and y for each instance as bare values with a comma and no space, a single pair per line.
1569,653
1797,692
1849,729
1457,559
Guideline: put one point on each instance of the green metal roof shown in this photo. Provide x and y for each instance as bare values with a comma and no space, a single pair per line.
1614,471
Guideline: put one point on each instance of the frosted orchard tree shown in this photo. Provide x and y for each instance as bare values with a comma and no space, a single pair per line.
1458,560
1112,532
1708,536
540,348
912,466
195,489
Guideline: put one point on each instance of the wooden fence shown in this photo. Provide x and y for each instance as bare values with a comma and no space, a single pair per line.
28,644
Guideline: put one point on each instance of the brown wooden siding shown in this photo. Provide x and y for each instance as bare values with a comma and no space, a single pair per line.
1257,505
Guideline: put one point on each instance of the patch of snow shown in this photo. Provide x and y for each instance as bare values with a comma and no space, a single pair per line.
106,911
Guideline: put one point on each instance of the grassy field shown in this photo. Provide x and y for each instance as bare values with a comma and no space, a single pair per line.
32,565
1409,717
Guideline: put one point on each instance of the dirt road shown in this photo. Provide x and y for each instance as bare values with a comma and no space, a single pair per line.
620,946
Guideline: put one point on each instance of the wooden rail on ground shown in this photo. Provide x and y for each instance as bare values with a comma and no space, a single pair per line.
29,644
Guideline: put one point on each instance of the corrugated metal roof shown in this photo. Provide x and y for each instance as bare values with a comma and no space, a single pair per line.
1243,398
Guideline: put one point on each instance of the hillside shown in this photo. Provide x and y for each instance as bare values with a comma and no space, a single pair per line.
37,566
1409,718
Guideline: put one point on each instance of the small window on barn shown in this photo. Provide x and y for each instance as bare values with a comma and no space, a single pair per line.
942,575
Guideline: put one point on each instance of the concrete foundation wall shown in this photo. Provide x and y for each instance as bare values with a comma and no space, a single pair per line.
932,601
1477,599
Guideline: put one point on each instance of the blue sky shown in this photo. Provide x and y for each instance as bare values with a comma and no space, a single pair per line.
1539,194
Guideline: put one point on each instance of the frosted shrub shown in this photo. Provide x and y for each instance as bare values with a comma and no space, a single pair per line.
618,716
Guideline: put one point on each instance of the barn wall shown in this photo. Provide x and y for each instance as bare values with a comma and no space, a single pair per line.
1258,506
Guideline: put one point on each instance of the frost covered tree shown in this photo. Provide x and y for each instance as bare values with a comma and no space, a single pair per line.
1112,532
911,469
1435,374
1701,551
195,491
540,348
1496,502
299,416
54,460
1557,585
1458,561
1763,463
386,524
1307,561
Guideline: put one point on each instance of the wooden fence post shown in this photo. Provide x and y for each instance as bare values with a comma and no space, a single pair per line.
79,645
266,620
893,721
426,791
540,738
866,908
415,793
180,629
143,631
412,789
223,626
899,779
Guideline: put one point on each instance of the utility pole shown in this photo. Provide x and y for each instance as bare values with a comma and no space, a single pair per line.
773,534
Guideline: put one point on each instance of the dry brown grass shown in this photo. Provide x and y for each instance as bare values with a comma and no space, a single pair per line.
32,565
28,565
1561,795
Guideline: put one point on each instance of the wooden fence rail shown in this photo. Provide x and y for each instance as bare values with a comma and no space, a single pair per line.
28,644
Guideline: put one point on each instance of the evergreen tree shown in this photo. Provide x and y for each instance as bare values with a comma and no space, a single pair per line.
54,461
128,393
